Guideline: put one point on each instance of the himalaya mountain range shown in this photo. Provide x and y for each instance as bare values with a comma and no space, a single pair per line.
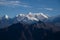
37,26
23,18
28,19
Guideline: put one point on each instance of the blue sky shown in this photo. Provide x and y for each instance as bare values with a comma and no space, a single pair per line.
14,7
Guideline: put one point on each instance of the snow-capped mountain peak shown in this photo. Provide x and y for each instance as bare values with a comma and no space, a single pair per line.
20,15
44,15
23,18
32,16
5,17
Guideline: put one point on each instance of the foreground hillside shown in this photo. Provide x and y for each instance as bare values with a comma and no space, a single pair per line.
35,31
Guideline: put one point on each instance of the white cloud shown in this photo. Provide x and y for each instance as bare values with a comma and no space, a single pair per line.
50,9
2,0
13,3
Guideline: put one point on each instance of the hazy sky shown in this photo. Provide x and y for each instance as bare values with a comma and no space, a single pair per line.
13,7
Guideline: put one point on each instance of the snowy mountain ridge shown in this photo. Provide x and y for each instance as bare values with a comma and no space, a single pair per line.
33,16
23,18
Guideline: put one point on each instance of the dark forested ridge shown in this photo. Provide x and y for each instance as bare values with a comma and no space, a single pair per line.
36,31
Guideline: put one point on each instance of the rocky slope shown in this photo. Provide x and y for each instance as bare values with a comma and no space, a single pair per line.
36,31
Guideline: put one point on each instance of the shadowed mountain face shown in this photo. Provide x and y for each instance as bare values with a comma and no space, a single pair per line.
36,31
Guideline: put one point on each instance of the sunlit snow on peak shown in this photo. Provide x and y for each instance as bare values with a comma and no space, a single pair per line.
44,15
32,16
6,16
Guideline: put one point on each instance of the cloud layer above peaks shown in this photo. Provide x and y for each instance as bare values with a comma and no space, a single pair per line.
13,3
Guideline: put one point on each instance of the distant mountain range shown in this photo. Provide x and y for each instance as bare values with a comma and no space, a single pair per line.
29,19
30,27
23,18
